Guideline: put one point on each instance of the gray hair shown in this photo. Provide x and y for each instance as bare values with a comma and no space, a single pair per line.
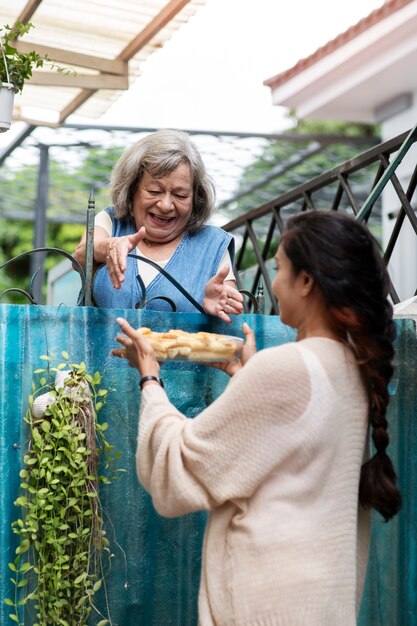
159,154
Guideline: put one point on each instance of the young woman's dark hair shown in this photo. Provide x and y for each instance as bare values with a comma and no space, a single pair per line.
344,260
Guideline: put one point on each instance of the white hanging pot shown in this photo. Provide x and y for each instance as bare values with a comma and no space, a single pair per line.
7,92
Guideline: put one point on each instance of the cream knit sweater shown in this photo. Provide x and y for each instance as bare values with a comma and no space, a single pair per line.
276,459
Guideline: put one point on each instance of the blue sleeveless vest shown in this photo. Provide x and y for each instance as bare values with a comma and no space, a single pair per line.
195,260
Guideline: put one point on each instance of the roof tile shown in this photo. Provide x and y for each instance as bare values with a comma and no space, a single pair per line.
386,10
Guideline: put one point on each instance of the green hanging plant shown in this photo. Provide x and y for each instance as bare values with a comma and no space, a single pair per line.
63,553
17,67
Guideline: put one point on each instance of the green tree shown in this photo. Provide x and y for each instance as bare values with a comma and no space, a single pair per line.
70,184
287,163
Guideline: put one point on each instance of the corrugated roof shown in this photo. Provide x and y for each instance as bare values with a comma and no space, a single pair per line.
104,41
388,8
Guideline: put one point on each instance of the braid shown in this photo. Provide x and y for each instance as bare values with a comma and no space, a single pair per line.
377,487
374,352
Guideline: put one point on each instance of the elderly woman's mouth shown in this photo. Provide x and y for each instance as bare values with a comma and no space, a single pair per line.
161,220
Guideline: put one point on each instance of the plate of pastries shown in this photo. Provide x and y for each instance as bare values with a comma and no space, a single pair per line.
200,347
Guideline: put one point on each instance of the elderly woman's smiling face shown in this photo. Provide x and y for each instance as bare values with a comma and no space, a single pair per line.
164,205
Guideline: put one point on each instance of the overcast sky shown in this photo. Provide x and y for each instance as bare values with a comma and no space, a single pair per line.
210,74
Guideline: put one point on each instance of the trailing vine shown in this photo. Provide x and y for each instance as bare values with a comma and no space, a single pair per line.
63,554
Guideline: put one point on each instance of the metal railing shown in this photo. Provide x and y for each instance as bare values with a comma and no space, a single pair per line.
259,230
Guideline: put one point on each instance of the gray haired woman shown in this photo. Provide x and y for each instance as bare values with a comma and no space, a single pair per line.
162,199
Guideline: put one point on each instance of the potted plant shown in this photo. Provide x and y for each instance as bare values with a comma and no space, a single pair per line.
15,68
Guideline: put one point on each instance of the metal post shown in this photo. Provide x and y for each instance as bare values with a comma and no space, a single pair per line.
39,236
260,298
89,250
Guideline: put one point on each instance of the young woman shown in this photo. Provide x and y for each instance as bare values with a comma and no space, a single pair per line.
282,459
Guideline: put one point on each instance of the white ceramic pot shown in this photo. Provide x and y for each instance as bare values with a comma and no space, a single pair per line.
7,92
41,403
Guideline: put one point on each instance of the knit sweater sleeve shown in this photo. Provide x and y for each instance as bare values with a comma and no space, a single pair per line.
225,452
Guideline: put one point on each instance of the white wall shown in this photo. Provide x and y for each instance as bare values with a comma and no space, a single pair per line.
64,285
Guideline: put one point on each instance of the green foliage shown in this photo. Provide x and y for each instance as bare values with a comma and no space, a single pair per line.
17,238
284,156
284,165
19,64
60,564
69,188
332,127
16,67
250,259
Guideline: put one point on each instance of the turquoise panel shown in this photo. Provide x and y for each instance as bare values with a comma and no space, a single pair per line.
155,573
390,597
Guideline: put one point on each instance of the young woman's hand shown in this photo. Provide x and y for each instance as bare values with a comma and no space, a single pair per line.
249,349
136,349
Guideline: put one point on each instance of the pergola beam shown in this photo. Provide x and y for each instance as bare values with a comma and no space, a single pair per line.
80,81
28,10
108,66
159,21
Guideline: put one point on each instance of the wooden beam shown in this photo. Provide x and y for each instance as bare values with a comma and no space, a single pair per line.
79,81
28,10
159,21
77,59
75,104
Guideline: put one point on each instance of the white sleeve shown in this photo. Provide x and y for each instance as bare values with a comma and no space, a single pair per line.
103,219
226,260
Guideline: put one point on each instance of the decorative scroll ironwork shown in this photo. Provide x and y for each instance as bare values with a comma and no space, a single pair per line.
29,294
142,303
86,282
171,279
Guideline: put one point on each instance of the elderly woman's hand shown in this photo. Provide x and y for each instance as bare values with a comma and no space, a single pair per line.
116,254
221,298
136,349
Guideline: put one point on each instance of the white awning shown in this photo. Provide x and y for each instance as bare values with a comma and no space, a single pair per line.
105,42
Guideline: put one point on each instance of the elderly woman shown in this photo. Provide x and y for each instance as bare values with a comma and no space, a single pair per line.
162,198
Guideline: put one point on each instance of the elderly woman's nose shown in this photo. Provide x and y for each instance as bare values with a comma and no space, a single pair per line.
165,201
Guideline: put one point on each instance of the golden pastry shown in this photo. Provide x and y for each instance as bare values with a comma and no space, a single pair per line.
199,347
